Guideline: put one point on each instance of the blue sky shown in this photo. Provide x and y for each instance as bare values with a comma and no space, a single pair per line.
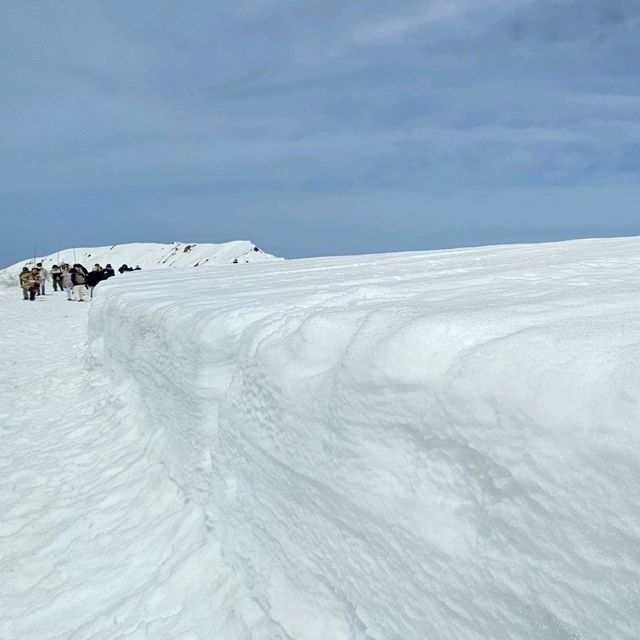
318,127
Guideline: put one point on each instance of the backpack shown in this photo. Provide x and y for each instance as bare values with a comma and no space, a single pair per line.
80,279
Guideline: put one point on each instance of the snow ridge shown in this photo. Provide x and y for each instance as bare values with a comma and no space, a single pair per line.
426,445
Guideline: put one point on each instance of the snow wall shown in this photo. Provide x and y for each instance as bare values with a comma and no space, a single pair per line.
416,446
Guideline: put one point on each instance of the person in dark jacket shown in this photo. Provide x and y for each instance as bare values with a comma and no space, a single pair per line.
94,278
79,279
108,272
56,277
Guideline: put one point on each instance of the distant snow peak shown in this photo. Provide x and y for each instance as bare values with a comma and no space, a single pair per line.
147,256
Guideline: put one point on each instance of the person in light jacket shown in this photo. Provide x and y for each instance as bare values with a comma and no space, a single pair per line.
67,281
29,283
43,276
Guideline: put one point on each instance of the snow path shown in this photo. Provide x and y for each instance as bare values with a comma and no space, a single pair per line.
95,540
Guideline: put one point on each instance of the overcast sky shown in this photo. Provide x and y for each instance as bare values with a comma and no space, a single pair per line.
317,127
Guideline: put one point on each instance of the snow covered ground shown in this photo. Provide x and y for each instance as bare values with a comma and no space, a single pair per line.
147,256
422,446
96,540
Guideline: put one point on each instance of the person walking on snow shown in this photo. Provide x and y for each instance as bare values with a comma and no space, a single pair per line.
56,277
35,288
67,281
25,282
37,275
94,278
28,284
79,281
43,275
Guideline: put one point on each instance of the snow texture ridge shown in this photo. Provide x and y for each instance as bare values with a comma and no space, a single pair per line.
147,256
401,447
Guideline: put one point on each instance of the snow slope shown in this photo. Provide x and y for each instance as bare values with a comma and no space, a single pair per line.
147,256
421,446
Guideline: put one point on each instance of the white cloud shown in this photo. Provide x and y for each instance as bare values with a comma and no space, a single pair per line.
425,15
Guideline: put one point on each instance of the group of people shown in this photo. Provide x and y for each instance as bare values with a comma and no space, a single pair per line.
74,280
124,268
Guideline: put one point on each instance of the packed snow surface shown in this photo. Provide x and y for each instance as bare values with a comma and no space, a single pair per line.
146,256
422,446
